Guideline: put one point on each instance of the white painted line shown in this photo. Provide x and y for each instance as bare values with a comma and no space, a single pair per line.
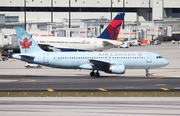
176,87
5,80
161,84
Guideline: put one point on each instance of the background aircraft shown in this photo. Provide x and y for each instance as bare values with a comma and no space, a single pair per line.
108,39
109,62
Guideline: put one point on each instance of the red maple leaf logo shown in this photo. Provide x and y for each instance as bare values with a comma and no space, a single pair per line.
25,43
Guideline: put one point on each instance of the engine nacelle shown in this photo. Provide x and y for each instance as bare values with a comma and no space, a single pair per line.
116,69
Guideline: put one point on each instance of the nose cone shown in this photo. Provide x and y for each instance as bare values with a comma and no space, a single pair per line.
165,62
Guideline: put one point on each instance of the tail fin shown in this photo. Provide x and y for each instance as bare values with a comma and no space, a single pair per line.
112,30
25,41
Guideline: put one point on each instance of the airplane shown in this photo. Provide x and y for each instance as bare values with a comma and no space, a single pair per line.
109,62
107,40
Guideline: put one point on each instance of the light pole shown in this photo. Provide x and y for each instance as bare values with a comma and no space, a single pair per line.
51,11
111,9
149,10
123,12
25,14
69,13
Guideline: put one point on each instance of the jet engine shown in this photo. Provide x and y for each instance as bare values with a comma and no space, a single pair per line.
116,69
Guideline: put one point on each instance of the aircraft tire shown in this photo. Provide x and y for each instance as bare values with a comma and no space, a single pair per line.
147,74
39,66
97,74
92,74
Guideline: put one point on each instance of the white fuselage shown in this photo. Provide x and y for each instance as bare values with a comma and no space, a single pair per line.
73,60
86,44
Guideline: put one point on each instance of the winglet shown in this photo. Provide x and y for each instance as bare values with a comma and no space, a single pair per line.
112,30
25,41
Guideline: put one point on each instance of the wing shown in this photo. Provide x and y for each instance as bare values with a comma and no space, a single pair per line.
97,64
102,65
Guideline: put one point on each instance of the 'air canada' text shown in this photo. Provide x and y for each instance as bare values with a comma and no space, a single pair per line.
119,54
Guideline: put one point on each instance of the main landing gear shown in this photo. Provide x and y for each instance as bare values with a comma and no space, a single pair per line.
147,72
96,74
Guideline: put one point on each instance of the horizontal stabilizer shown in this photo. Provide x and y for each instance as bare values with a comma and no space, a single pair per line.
27,56
23,57
108,44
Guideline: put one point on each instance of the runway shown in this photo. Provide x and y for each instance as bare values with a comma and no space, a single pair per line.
90,106
87,83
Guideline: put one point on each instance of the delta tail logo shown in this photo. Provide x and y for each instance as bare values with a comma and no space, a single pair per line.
113,29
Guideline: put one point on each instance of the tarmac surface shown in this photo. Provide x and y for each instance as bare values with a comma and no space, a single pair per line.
14,76
89,106
81,83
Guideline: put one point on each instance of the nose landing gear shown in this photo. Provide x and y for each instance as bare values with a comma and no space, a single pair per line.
147,72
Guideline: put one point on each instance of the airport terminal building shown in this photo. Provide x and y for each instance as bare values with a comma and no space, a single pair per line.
144,19
58,10
154,17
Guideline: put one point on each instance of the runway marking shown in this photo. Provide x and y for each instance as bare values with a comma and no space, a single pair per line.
151,74
102,89
27,80
165,89
176,87
161,84
160,77
6,80
50,90
156,78
166,71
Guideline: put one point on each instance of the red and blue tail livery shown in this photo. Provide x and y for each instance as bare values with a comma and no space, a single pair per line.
112,31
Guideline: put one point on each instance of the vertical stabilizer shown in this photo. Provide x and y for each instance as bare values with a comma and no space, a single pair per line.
112,30
25,41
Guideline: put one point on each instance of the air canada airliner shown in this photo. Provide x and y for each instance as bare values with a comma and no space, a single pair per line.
108,39
109,62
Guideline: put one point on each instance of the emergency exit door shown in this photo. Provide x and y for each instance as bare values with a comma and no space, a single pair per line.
45,58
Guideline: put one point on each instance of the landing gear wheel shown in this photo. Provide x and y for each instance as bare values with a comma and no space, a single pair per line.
38,66
97,74
147,73
92,73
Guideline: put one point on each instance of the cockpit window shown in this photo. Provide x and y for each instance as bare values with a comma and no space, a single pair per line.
158,57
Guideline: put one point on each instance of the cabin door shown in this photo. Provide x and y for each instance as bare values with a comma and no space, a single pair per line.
95,46
148,58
